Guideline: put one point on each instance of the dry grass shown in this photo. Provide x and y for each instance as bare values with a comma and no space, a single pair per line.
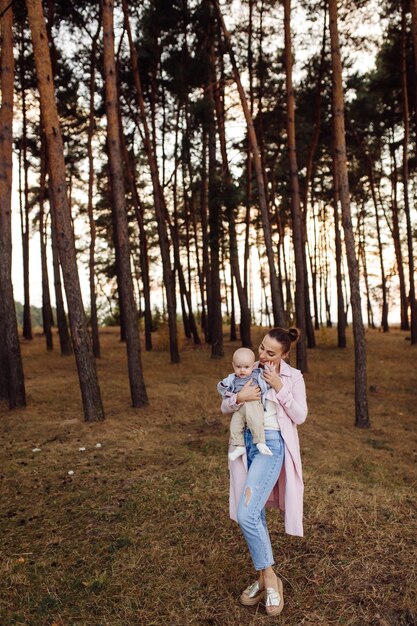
140,535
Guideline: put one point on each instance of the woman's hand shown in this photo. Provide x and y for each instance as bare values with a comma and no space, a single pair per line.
248,392
271,376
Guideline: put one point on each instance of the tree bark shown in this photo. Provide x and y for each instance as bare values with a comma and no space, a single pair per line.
397,241
62,322
206,274
63,332
24,206
412,291
90,209
313,269
300,302
10,357
246,254
362,256
125,285
341,316
384,312
361,401
214,211
46,298
90,391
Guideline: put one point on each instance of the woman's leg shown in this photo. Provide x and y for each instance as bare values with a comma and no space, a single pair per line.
263,472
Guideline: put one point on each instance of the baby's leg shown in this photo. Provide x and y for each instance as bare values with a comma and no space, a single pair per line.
237,425
255,421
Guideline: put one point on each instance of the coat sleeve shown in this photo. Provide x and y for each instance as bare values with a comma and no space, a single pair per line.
294,402
229,404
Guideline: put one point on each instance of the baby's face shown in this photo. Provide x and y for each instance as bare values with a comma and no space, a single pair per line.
243,366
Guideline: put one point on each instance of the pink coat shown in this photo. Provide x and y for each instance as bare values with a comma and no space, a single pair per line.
287,495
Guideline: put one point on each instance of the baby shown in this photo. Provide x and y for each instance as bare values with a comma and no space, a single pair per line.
251,412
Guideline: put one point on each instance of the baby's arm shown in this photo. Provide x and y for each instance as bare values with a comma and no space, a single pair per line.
234,401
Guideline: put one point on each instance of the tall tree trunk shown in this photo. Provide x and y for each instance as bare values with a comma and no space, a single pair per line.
4,365
24,206
397,241
245,317
191,225
125,285
277,303
313,269
384,289
412,291
362,257
246,254
46,299
413,9
10,359
308,183
159,200
361,400
325,268
90,391
174,232
62,322
190,326
300,302
214,211
206,274
63,332
90,209
143,239
341,316
233,334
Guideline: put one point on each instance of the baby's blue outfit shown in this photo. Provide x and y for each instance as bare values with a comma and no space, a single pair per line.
233,384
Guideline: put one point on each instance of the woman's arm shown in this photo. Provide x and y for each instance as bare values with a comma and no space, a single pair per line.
294,402
234,401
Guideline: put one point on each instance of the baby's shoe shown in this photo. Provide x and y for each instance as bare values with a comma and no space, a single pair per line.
236,453
263,449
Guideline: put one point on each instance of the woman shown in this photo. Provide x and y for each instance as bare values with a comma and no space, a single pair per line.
258,480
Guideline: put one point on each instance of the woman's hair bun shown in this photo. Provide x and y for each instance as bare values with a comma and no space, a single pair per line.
294,334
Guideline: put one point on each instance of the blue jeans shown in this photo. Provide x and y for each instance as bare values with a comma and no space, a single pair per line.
263,472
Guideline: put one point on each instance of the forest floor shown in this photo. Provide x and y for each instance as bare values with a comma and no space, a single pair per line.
139,534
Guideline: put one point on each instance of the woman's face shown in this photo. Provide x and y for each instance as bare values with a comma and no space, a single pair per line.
271,351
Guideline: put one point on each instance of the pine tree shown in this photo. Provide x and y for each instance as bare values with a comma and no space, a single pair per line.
90,391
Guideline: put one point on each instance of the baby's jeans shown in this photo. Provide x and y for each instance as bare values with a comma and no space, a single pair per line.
263,472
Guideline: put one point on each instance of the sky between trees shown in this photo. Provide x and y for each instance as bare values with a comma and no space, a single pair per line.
367,22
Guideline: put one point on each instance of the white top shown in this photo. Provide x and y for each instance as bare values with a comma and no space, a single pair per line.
270,416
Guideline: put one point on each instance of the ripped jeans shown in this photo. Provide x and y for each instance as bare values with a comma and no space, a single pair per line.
263,472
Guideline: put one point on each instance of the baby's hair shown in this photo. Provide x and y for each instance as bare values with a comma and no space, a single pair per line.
285,337
242,351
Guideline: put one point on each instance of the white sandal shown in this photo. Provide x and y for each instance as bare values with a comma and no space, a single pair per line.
274,599
252,594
